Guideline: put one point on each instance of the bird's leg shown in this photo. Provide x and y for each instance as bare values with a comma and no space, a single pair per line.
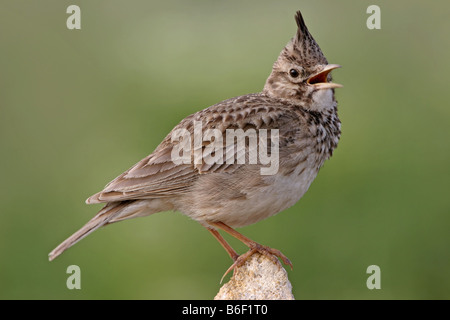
233,254
253,246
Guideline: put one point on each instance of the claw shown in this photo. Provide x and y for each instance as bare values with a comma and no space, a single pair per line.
239,261
272,254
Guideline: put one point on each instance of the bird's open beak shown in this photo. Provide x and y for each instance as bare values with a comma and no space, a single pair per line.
319,80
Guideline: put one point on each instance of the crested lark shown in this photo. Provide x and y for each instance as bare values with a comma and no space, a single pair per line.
297,103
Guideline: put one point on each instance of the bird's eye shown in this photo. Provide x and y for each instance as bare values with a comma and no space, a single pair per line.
294,73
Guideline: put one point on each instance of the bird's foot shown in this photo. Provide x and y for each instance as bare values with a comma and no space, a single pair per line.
271,253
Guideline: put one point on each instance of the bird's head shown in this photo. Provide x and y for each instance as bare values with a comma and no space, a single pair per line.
301,73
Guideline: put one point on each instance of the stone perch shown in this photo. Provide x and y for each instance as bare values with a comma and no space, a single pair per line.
257,279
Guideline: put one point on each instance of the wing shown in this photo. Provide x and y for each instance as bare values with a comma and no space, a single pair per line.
159,176
155,176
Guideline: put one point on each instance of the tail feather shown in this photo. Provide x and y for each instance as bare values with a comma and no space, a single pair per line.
103,217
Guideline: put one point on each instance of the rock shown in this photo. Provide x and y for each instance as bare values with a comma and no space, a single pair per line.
257,279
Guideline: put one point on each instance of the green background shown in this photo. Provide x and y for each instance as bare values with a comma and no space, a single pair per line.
78,107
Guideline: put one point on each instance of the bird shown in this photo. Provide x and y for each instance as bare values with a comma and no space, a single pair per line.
297,106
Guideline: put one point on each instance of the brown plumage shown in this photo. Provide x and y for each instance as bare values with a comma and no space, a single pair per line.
297,103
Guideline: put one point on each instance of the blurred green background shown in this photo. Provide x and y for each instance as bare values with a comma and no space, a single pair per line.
78,107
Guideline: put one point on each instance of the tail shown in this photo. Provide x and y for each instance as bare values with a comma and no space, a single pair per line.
106,215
